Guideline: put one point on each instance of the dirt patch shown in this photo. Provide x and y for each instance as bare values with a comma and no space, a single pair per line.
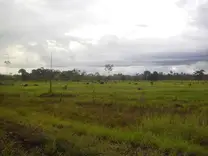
26,136
29,139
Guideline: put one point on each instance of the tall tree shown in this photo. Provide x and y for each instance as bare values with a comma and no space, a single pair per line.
24,74
154,76
146,74
199,74
7,65
108,68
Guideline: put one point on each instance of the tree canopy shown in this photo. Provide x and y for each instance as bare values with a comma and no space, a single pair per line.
43,74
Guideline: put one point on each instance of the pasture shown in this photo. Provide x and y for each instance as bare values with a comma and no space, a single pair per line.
111,119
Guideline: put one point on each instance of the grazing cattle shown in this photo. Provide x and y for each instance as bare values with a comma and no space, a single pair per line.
101,82
178,106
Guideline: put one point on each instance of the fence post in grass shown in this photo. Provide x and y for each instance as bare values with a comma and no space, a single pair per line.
93,93
51,43
50,85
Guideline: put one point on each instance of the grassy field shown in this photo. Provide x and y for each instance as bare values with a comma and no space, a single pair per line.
113,119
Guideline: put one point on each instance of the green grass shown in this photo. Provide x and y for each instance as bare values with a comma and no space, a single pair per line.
167,118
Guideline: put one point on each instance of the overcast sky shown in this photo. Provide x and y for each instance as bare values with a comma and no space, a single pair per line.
134,35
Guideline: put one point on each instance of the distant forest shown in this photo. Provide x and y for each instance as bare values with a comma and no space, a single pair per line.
43,74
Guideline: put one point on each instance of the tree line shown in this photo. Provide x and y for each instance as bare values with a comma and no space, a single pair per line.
43,74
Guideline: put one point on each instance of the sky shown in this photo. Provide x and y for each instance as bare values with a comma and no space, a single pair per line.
133,35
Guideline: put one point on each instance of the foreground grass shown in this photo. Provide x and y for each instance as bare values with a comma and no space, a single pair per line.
168,118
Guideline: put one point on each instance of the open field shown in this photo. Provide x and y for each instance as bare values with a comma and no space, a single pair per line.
117,118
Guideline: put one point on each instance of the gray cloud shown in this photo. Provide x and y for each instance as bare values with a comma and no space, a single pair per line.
23,22
202,16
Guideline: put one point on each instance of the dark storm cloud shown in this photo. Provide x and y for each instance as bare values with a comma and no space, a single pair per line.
161,60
